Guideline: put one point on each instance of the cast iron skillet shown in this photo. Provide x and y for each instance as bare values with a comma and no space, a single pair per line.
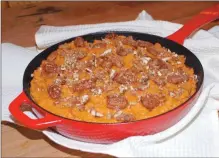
106,132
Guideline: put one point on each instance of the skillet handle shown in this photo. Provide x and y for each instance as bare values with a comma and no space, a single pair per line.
196,22
42,123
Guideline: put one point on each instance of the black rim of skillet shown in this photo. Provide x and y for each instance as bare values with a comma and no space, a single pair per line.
191,61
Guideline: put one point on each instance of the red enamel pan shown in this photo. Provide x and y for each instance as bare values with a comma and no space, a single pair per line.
112,132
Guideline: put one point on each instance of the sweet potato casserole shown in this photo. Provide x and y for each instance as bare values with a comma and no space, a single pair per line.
116,79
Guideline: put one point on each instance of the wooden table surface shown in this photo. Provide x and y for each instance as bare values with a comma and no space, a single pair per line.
19,25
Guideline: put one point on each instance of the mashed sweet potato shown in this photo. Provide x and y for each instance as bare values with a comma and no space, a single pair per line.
116,79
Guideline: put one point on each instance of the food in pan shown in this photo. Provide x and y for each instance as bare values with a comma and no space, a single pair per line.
116,79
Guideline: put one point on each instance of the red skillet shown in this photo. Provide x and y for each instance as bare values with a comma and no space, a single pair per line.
108,133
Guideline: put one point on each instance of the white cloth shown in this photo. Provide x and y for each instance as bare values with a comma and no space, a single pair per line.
196,135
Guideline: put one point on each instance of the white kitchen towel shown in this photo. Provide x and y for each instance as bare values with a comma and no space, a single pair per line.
49,35
197,135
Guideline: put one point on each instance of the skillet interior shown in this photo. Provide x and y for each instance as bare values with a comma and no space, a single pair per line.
191,59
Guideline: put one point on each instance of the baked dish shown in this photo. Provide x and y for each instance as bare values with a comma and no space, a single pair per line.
116,79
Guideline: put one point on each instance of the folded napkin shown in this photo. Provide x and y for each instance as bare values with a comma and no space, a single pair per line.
181,140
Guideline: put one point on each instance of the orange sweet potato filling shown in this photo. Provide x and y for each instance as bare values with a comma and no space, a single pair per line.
79,61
